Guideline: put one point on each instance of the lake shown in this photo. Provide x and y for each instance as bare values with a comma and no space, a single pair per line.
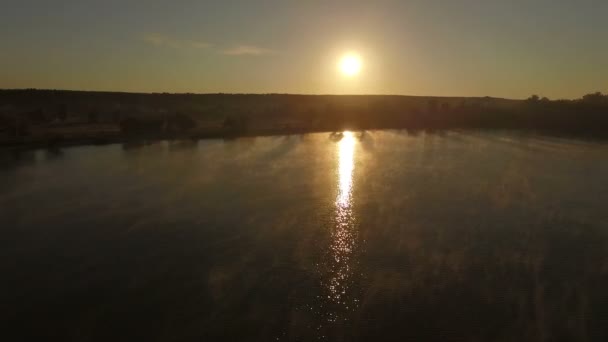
382,235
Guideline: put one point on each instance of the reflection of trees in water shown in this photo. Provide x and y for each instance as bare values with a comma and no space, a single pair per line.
336,136
134,144
281,147
183,144
53,152
367,141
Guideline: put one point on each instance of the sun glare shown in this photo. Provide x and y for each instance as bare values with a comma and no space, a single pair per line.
350,65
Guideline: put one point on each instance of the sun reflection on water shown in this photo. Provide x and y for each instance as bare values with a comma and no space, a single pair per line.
343,234
346,153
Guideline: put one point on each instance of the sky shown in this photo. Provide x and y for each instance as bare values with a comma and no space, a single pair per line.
495,48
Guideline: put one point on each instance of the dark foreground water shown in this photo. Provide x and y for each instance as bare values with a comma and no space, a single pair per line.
379,236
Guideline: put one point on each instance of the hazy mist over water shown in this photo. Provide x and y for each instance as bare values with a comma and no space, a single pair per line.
358,236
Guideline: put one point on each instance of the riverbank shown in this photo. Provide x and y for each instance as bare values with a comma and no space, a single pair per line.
106,136
47,118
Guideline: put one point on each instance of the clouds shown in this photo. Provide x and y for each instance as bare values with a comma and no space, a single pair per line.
164,41
247,50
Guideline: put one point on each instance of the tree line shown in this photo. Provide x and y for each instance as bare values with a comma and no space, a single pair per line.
236,114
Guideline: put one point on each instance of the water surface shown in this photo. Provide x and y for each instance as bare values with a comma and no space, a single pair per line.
353,237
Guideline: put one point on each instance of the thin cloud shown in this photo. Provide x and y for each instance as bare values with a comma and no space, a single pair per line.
162,40
247,50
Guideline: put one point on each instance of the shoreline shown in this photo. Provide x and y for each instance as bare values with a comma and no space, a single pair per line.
118,138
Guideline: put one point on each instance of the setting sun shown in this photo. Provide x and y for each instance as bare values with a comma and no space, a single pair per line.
350,65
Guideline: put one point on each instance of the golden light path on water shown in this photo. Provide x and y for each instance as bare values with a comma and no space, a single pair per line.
343,236
346,154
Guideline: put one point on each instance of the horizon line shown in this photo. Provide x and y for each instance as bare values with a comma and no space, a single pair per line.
290,94
264,93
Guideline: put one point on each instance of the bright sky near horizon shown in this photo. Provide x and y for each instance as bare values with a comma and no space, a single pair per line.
419,47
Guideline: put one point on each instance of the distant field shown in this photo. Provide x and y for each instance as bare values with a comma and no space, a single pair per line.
49,116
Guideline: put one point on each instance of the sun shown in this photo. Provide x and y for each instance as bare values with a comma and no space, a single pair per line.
350,65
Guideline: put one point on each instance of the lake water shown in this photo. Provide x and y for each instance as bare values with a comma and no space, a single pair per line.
385,235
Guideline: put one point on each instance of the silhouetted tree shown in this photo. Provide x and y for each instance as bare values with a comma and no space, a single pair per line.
116,115
19,126
432,105
93,116
62,112
180,123
234,125
229,123
595,98
533,98
36,115
133,126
